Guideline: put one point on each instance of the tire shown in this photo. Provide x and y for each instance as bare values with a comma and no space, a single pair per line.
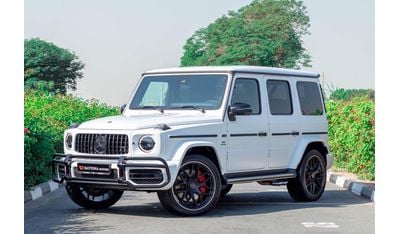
93,198
226,189
196,189
309,185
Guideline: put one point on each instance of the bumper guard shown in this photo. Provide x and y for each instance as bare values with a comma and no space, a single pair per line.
64,168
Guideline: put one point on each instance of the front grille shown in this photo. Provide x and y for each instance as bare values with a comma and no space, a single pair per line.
110,144
146,176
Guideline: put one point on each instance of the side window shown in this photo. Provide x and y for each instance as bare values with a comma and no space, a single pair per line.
247,91
310,98
280,101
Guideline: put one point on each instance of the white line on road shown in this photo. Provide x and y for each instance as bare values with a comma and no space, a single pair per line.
320,225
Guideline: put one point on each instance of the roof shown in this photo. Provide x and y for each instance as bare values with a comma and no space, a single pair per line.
243,69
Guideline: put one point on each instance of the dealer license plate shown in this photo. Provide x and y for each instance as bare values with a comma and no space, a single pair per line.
94,169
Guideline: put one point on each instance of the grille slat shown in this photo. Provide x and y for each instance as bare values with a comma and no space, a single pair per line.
116,143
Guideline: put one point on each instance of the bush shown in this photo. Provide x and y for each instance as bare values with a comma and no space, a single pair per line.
352,135
46,116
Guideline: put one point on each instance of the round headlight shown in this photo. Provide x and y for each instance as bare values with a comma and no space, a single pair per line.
68,141
146,143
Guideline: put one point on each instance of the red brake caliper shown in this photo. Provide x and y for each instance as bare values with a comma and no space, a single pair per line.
202,178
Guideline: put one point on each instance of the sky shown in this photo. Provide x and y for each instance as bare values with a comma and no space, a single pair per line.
119,40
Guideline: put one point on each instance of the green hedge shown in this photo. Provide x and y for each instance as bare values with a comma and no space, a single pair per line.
352,135
46,116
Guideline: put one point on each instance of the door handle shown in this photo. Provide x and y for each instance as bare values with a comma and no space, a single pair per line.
295,133
262,134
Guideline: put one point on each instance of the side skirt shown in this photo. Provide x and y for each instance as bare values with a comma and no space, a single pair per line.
251,176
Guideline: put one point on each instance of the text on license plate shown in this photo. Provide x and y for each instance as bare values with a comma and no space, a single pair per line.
96,169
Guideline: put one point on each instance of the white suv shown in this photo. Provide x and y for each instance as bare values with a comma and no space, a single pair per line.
190,133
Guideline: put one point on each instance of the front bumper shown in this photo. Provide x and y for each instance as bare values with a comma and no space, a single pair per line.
126,173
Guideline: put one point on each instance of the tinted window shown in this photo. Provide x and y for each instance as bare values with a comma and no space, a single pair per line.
280,102
310,98
246,91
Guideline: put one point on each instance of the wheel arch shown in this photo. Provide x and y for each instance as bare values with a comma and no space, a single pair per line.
304,147
207,149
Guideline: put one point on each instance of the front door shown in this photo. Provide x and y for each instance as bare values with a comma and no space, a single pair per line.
247,135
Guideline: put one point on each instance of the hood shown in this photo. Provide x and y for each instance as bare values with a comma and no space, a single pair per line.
122,122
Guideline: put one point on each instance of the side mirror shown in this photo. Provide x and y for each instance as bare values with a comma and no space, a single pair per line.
122,108
238,109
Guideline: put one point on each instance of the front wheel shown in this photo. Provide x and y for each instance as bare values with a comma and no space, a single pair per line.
196,189
309,185
93,198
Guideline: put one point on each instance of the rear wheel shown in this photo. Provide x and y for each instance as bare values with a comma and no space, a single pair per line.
309,185
93,198
196,189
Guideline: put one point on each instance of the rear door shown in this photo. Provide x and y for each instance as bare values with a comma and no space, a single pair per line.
283,122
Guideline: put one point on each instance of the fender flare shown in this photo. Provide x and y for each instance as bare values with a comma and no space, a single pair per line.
301,147
180,153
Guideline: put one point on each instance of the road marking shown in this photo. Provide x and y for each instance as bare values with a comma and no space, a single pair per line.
320,225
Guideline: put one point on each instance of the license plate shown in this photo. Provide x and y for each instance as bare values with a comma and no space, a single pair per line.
94,169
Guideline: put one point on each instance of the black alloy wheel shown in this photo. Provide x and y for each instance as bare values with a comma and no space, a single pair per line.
196,188
309,185
93,198
314,175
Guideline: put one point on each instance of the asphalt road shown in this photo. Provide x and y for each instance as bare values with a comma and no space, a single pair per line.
248,208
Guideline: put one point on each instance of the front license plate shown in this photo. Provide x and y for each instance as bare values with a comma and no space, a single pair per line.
94,169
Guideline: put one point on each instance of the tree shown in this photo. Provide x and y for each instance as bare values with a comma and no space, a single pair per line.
46,65
265,33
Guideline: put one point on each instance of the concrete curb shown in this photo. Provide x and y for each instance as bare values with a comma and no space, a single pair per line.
40,190
352,186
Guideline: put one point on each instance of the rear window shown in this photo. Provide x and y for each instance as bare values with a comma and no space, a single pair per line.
310,98
280,102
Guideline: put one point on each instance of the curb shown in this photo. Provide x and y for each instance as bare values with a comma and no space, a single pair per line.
40,190
352,186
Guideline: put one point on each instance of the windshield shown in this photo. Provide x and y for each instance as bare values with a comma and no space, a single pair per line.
180,92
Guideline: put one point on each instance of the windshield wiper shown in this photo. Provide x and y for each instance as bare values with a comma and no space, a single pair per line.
192,107
152,107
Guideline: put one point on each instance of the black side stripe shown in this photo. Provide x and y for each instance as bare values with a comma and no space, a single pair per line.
314,133
244,134
193,136
223,135
281,134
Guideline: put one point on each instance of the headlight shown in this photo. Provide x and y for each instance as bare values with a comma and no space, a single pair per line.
146,143
68,141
